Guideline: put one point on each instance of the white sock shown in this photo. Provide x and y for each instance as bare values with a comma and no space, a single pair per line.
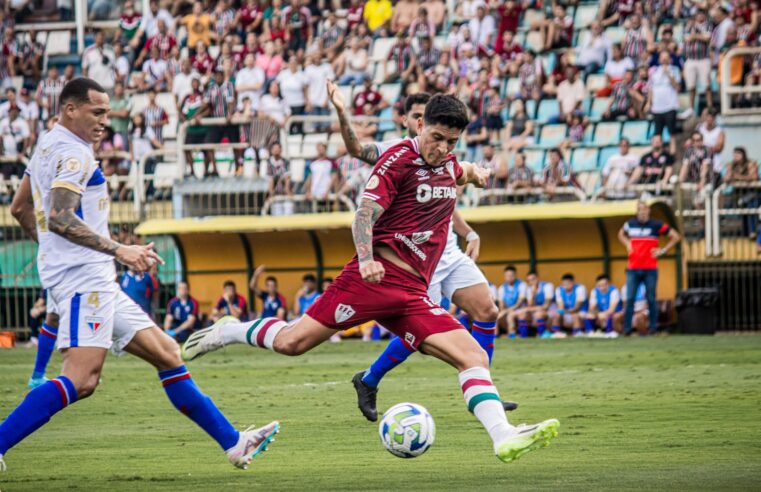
484,402
258,333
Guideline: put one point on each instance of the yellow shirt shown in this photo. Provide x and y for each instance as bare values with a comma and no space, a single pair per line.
199,29
377,13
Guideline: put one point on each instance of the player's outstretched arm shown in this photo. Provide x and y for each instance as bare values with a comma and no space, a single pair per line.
362,231
366,153
22,208
64,221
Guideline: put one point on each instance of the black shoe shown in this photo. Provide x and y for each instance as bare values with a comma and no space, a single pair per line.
365,397
509,406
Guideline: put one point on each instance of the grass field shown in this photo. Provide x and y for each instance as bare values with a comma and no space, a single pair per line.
657,413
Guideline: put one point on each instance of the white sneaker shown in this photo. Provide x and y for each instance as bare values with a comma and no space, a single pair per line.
526,438
611,334
686,113
251,443
206,340
595,334
2,464
559,334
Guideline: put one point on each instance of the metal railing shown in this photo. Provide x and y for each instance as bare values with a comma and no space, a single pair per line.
332,203
728,90
525,195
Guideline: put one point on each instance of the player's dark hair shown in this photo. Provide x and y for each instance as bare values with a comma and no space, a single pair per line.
556,151
510,268
270,279
532,272
568,276
328,279
309,278
78,91
10,89
228,283
602,276
419,98
447,111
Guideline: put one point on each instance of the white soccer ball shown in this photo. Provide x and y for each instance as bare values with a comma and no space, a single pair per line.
407,430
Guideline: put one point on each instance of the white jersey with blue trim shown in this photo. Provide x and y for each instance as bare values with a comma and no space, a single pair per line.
63,160
452,252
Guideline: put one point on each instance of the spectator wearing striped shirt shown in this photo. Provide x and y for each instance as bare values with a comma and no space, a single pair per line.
48,93
279,180
190,110
422,27
697,64
224,19
638,39
155,73
8,53
427,56
404,61
155,116
163,40
219,102
297,20
621,99
331,41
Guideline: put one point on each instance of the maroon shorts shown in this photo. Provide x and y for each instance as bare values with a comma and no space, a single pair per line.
399,302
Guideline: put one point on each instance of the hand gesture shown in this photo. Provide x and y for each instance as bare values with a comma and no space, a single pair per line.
137,257
481,176
259,270
372,271
336,96
473,249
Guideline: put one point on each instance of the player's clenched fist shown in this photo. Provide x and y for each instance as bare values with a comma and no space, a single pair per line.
137,257
372,271
481,176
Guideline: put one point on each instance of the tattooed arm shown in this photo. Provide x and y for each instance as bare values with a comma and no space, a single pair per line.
362,231
64,221
22,208
366,153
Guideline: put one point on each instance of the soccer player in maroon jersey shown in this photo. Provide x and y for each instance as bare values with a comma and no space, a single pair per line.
400,231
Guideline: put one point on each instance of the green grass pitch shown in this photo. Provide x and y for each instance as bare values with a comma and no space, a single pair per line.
671,413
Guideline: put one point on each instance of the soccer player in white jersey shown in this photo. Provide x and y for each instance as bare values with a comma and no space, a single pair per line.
456,277
75,260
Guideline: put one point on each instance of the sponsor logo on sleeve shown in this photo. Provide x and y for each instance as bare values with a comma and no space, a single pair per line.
372,183
343,313
72,165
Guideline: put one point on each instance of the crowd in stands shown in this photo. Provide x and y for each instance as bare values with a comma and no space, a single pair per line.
552,87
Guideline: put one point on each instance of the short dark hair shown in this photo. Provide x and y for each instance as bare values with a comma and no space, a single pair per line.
510,268
568,276
228,283
11,89
624,139
602,276
419,98
327,279
270,279
557,151
532,272
447,111
78,91
309,278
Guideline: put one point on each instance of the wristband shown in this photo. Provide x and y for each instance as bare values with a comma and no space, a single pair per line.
472,236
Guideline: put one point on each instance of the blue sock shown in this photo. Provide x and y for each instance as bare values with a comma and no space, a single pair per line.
523,328
576,331
609,325
555,328
375,334
188,399
485,332
45,346
589,325
541,327
395,353
39,405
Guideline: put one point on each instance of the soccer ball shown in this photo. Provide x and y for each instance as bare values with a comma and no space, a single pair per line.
407,430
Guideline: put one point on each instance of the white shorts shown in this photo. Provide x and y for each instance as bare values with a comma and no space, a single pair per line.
50,306
455,275
107,320
697,73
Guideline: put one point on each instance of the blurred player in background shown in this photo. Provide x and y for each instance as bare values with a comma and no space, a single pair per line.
571,299
75,260
456,277
400,231
604,303
511,296
540,296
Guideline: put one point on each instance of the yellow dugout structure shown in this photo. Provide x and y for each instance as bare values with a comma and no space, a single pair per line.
552,238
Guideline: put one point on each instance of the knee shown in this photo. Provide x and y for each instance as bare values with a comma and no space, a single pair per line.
473,357
485,311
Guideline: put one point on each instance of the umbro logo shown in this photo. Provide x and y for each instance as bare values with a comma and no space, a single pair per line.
343,313
422,174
